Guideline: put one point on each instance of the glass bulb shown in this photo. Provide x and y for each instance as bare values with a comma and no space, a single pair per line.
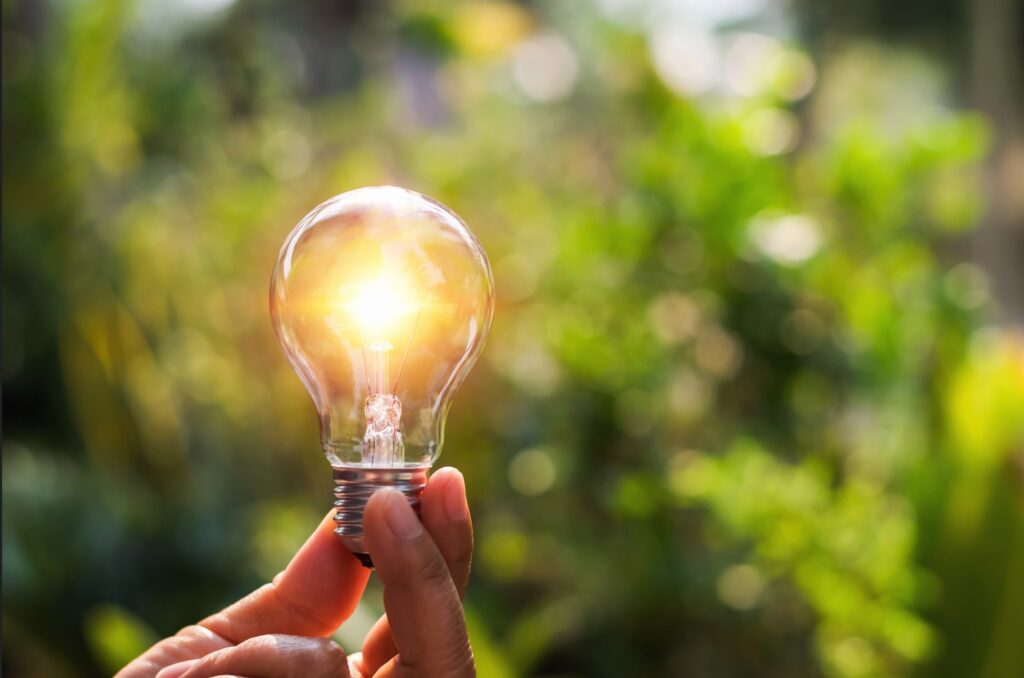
381,299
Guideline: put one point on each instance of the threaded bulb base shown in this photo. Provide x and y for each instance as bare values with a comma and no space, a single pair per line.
353,487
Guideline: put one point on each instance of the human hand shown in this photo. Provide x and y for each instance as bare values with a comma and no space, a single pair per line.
282,628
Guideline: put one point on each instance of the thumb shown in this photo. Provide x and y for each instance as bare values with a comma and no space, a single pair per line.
315,593
422,603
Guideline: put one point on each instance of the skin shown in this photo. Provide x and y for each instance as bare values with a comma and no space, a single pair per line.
283,628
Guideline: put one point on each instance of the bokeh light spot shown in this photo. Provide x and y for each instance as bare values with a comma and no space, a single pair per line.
532,472
740,587
788,239
686,60
545,67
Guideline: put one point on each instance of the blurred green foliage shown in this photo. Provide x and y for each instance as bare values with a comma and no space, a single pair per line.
740,413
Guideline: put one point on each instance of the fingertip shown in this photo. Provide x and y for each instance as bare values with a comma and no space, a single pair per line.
322,539
446,496
321,551
402,520
326,524
455,504
375,526
373,514
380,497
444,473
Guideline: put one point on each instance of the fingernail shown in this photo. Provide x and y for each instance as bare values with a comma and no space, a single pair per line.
400,517
175,670
455,497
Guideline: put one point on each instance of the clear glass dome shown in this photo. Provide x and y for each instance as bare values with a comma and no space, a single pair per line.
382,299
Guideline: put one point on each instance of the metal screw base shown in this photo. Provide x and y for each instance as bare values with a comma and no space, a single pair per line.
354,486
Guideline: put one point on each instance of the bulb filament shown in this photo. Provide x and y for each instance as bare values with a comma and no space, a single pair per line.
382,442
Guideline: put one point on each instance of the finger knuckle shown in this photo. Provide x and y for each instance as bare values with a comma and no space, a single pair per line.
433,572
468,668
328,659
201,635
331,649
218,663
314,620
258,644
459,661
194,631
336,655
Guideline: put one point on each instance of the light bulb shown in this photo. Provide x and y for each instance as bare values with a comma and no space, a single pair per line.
381,299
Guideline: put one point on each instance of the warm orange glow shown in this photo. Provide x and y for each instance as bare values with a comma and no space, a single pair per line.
381,294
379,306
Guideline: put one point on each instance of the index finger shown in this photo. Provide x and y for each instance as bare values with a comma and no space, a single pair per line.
315,593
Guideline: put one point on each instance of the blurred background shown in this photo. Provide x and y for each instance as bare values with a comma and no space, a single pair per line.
753,404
